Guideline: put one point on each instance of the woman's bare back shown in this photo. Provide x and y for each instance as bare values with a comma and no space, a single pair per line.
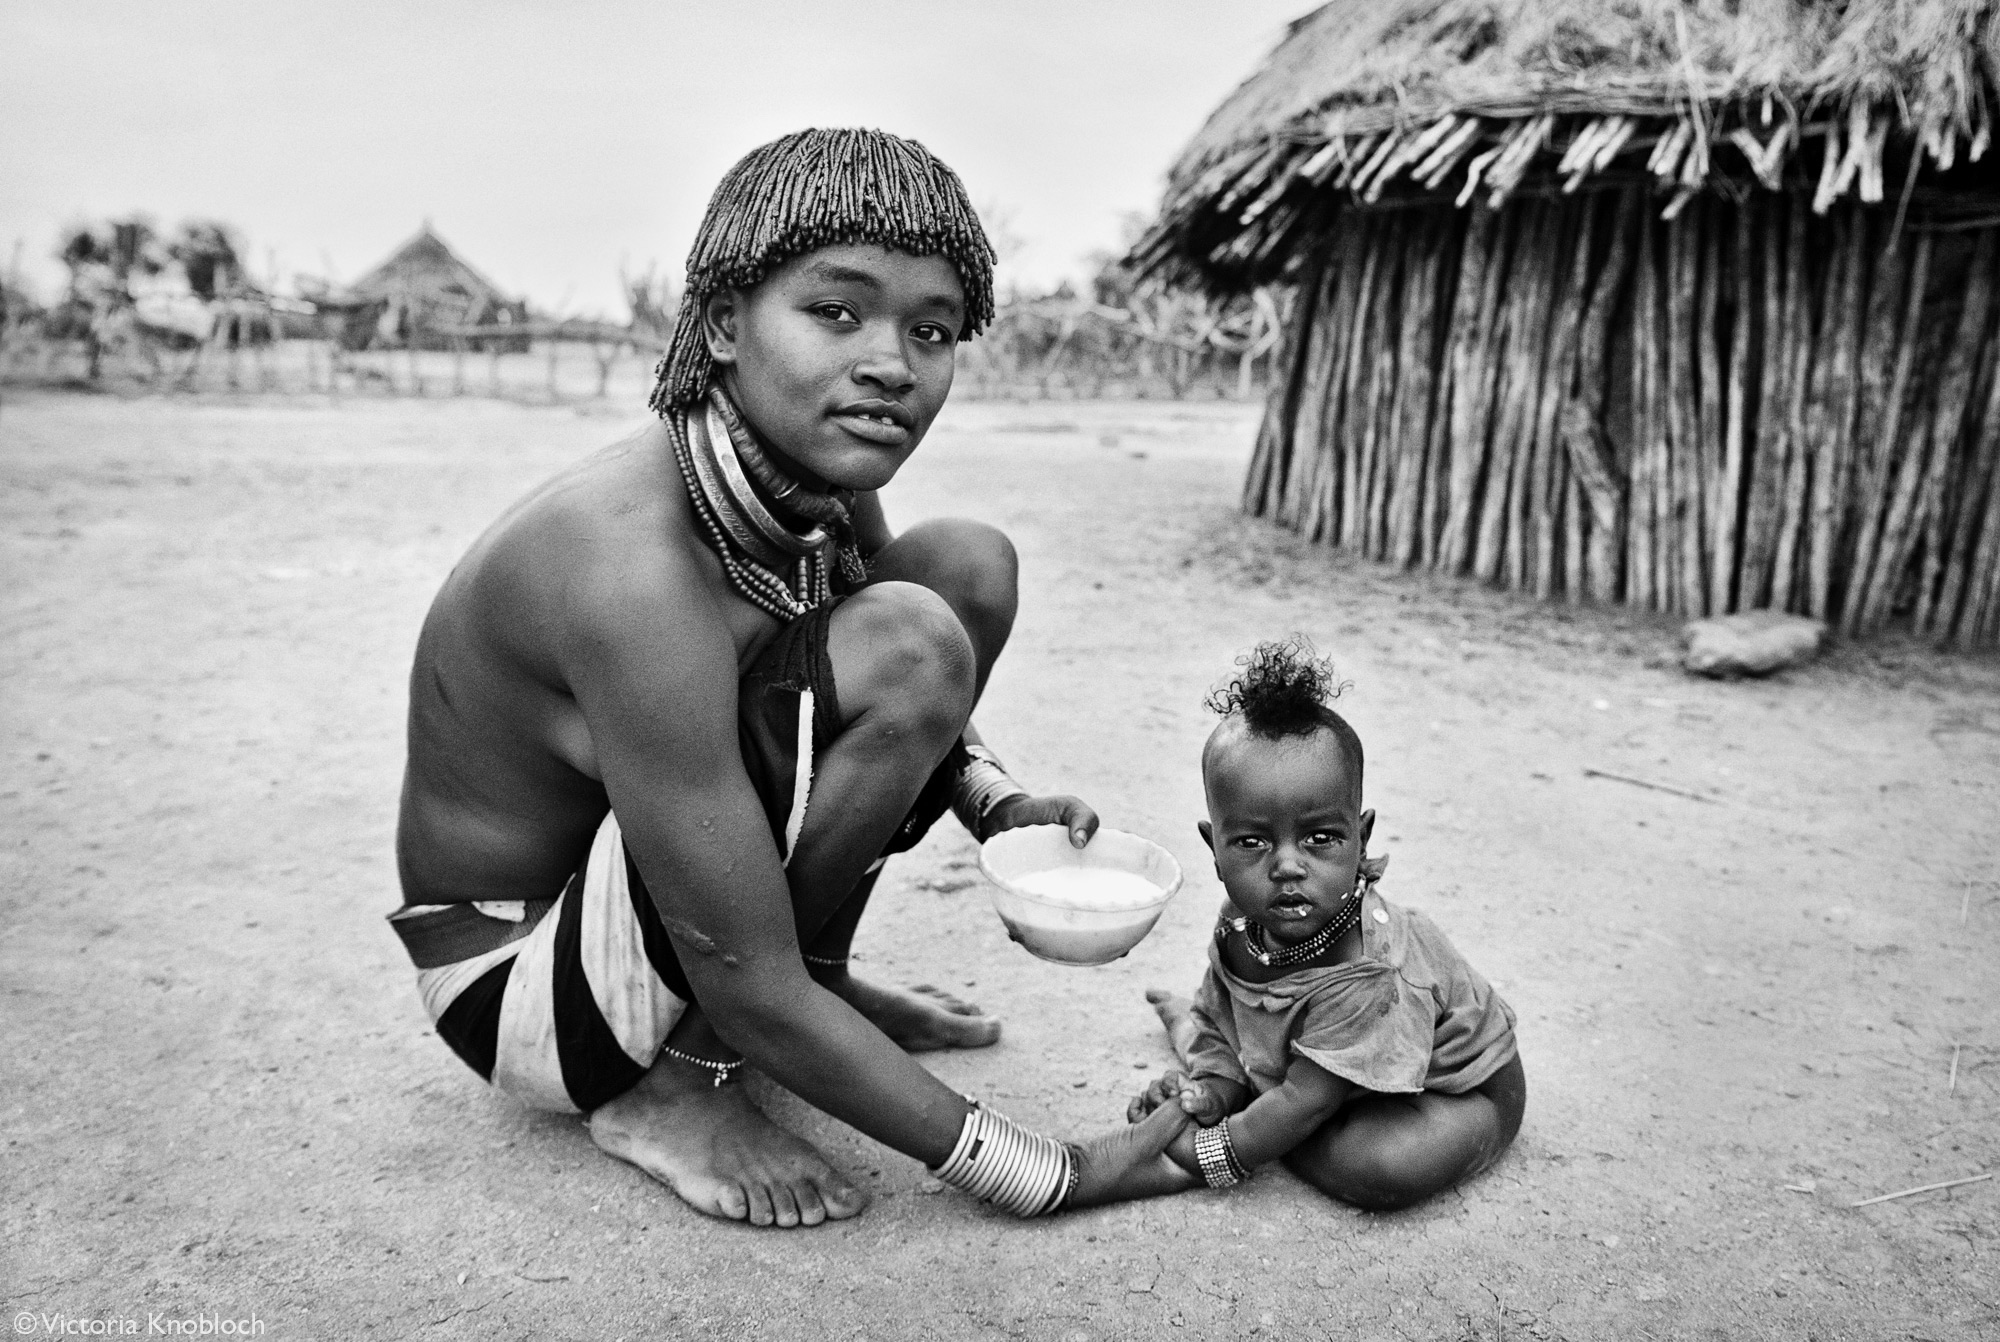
502,793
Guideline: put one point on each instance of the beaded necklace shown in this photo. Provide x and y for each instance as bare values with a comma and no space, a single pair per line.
1311,947
833,510
779,571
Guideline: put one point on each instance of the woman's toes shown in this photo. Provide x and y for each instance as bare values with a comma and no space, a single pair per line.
731,1203
811,1210
949,1001
784,1200
842,1199
761,1211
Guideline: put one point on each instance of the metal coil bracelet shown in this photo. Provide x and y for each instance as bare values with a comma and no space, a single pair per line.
997,1160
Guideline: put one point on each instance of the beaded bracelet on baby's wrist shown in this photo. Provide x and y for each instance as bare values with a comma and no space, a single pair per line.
1215,1152
999,1161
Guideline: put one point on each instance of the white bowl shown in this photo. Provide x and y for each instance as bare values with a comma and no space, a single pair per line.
1072,919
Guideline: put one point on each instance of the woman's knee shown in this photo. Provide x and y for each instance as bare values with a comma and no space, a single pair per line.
899,652
972,566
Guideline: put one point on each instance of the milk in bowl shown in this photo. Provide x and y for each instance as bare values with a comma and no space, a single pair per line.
1078,906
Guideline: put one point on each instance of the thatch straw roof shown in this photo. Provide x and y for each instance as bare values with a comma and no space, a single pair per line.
426,269
1472,98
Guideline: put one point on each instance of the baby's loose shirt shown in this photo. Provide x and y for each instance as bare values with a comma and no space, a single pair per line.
1408,1014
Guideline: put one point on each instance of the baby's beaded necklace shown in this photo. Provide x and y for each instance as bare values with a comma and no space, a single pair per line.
1313,946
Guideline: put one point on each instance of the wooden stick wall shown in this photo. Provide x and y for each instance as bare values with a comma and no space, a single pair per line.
1744,406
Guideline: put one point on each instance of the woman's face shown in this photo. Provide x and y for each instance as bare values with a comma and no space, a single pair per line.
841,358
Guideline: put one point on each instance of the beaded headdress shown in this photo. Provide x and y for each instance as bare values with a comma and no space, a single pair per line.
822,188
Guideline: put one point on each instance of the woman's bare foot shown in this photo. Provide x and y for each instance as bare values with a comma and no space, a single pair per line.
922,1019
1173,1010
716,1149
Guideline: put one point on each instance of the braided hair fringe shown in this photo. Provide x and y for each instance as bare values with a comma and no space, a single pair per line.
822,188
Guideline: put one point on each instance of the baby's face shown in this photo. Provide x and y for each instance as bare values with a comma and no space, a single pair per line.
1285,825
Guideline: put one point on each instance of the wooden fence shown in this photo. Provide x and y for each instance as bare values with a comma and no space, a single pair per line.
1746,405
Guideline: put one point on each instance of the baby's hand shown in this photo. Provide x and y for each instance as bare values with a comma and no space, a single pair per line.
1197,1099
1201,1103
1165,1090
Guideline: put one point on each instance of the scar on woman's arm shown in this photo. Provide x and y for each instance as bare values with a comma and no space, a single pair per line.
698,941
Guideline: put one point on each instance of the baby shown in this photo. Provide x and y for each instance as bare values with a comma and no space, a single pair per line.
1334,1029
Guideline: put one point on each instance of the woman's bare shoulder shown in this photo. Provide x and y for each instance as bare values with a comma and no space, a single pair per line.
616,521
619,503
603,551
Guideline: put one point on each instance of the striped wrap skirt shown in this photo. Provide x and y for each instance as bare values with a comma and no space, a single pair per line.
564,1003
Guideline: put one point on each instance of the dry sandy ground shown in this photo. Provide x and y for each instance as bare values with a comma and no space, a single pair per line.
1739,1016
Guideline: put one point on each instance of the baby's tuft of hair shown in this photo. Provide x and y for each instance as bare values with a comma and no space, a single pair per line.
1284,689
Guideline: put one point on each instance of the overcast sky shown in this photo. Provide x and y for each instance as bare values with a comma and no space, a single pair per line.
550,142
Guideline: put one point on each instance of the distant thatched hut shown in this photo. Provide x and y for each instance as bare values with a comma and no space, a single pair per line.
426,292
1689,305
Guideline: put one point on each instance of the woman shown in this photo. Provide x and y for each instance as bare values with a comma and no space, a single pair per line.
672,710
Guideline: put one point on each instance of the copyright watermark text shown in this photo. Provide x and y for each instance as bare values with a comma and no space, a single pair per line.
154,1323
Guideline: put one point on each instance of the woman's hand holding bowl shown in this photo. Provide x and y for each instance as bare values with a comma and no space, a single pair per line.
1070,812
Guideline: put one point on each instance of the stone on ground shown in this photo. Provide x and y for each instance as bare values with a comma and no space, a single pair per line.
1750,643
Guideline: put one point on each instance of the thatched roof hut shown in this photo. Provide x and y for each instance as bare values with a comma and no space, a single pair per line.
1686,304
430,291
